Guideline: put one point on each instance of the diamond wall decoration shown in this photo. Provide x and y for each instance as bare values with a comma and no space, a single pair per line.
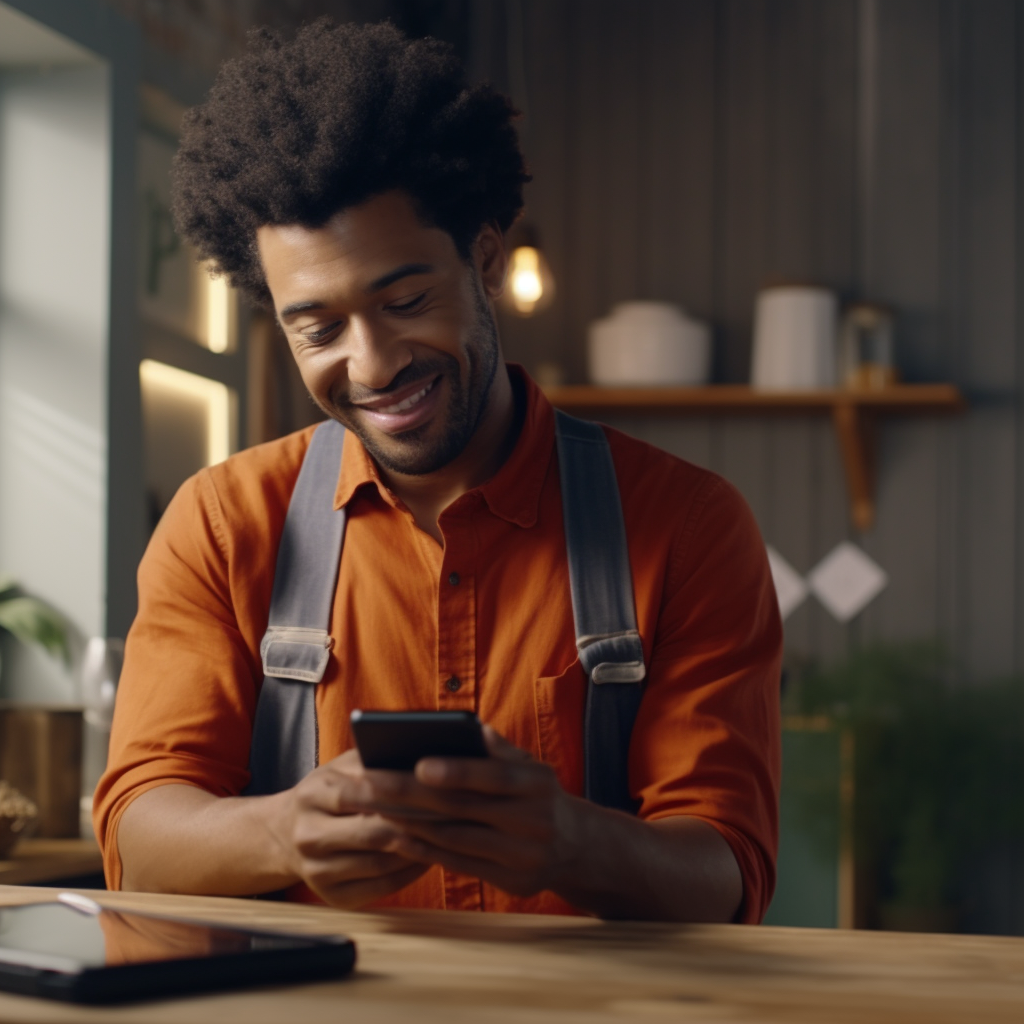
790,588
846,581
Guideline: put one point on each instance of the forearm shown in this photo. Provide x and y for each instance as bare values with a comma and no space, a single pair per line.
675,869
178,838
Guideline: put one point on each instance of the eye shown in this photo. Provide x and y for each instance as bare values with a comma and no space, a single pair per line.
408,306
320,334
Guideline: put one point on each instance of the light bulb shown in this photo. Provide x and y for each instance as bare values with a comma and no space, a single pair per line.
525,278
530,286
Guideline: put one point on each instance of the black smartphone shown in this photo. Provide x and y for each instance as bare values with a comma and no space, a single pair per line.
77,951
398,739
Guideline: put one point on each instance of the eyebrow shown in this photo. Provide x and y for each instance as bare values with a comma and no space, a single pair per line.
406,270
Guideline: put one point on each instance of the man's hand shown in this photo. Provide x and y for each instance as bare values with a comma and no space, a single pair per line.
508,821
347,858
505,819
355,835
179,838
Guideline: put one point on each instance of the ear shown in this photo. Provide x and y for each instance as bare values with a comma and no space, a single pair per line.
490,259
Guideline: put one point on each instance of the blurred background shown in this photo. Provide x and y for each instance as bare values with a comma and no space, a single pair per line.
724,163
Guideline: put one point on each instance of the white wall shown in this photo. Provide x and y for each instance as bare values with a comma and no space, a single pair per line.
54,299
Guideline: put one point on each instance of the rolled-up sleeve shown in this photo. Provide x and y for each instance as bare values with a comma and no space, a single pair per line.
185,718
707,738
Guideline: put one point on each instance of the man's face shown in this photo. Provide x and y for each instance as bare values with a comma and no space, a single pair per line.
392,331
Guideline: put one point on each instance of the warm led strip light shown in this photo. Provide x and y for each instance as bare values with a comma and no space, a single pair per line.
217,397
218,314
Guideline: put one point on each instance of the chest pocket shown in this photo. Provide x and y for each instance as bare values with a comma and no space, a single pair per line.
560,702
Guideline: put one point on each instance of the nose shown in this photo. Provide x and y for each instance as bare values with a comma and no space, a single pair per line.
375,354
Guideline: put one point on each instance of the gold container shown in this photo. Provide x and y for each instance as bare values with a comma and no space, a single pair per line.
866,348
41,757
17,817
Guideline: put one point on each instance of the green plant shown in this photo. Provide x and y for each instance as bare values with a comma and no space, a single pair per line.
32,621
937,764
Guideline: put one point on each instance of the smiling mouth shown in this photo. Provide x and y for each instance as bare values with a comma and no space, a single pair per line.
406,403
406,409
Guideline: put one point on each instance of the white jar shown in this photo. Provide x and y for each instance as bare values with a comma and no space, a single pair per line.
794,339
648,344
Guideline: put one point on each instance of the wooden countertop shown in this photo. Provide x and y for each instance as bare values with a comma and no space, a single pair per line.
459,968
35,861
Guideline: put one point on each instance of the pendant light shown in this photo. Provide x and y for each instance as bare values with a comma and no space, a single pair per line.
529,284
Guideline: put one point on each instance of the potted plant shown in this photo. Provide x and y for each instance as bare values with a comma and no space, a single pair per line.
31,620
937,759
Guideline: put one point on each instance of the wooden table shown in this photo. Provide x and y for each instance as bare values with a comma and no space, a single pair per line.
457,968
35,861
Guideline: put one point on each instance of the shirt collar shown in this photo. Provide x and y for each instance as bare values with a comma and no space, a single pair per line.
513,493
357,470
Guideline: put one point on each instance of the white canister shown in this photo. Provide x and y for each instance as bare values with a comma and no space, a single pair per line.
794,339
648,344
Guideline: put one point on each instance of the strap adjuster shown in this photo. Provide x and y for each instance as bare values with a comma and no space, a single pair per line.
296,652
613,657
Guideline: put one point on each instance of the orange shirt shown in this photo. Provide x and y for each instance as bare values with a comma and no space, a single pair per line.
484,624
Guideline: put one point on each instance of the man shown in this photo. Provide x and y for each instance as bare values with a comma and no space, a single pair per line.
351,180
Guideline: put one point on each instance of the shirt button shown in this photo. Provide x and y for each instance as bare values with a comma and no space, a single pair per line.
453,579
453,684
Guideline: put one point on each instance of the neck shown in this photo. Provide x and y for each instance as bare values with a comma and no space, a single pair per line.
427,496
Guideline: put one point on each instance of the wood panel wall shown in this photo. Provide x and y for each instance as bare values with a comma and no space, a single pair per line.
693,150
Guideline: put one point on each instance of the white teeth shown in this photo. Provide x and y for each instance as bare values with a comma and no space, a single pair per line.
406,403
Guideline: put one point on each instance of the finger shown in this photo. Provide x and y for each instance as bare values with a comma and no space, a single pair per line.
350,895
334,789
525,818
399,794
476,841
494,776
518,883
317,836
402,798
345,761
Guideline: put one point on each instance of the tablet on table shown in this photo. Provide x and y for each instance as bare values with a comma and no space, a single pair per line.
78,951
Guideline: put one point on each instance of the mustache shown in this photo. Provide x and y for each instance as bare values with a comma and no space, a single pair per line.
407,375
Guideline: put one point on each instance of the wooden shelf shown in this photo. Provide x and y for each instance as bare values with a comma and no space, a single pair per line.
738,398
36,861
853,413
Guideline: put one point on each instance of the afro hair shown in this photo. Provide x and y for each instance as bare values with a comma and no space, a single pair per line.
293,132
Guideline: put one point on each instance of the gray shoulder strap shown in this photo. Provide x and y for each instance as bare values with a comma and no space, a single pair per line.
296,647
602,604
